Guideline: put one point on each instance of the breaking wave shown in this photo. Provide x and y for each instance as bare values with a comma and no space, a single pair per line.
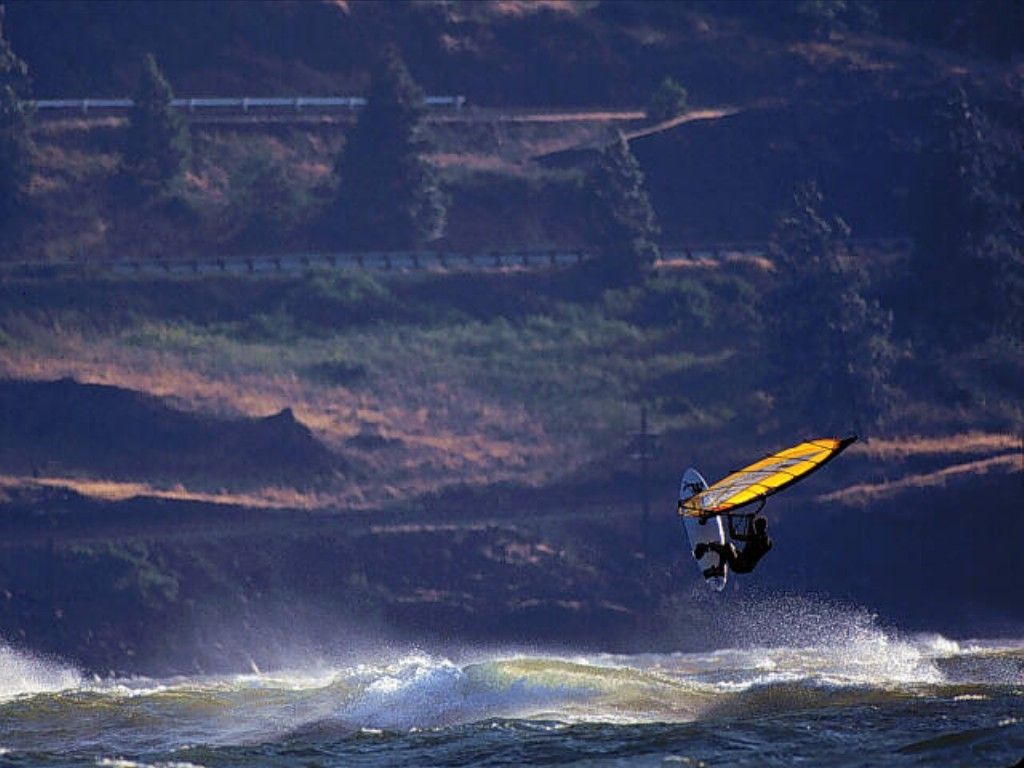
794,656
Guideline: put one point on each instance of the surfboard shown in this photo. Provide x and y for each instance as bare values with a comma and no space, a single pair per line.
711,530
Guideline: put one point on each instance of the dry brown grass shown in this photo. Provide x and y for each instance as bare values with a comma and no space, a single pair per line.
473,162
847,55
517,8
693,115
439,434
904,447
760,263
864,493
114,490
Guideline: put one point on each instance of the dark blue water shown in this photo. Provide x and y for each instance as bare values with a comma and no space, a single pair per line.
857,696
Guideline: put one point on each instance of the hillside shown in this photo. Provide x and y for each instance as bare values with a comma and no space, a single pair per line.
425,381
63,427
581,53
452,455
786,97
148,586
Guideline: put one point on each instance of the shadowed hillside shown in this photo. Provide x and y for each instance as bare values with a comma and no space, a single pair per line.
712,177
579,52
114,433
93,582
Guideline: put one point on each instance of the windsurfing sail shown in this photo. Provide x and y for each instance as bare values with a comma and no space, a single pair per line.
763,478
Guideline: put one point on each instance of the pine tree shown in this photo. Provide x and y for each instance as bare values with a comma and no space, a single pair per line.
157,146
15,122
389,196
829,347
623,222
969,229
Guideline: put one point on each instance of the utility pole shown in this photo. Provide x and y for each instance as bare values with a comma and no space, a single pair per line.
643,450
645,461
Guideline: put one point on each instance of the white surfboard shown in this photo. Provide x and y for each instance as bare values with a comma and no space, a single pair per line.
711,530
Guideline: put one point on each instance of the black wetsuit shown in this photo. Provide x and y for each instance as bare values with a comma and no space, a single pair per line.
742,561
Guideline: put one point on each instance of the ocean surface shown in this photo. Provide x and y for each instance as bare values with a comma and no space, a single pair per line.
842,691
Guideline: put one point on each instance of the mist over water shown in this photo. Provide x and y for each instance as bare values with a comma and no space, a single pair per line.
793,664
840,642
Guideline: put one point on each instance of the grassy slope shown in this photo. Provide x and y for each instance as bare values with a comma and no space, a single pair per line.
510,382
432,381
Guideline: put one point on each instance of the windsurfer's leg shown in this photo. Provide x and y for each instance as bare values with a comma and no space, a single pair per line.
726,556
726,552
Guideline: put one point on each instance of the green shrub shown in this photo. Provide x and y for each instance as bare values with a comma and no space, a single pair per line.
674,302
265,205
329,300
667,101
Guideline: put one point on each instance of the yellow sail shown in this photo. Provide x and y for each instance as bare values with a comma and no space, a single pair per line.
763,478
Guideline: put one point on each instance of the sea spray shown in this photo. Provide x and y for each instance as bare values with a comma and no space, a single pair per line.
792,635
22,674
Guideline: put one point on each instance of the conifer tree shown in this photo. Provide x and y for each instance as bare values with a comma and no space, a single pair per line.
623,222
830,352
15,122
157,146
389,196
968,261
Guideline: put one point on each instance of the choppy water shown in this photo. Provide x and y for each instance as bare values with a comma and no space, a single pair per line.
856,695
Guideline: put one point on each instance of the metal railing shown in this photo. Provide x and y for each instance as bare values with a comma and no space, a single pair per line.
372,261
243,103
402,261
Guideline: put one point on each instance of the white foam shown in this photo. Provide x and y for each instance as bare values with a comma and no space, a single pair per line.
823,647
117,762
414,690
141,687
421,691
938,646
23,674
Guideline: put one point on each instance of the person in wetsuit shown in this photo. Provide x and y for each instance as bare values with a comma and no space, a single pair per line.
757,544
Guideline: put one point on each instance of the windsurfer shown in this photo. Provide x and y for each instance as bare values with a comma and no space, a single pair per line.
757,542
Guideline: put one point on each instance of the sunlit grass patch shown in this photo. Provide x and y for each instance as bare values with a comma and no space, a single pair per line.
116,490
453,399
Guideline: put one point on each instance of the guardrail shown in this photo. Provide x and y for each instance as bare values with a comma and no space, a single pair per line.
383,261
243,103
386,261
